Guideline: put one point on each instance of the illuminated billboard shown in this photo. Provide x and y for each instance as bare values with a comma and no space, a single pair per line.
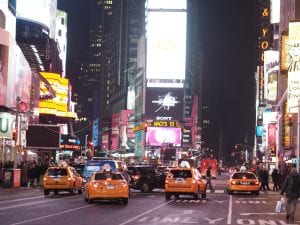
164,103
15,72
59,104
39,11
294,67
166,41
271,70
160,136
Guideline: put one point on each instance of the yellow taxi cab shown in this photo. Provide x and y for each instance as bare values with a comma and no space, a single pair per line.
243,181
184,180
62,178
106,185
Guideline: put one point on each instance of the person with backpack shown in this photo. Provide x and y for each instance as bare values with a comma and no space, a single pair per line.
291,186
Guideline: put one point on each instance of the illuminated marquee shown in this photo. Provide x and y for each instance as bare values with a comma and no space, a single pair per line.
264,30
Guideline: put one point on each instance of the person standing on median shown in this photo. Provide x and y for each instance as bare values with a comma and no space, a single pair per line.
208,178
291,188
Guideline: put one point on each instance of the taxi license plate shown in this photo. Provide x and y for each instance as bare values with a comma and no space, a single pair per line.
110,187
244,182
56,179
179,180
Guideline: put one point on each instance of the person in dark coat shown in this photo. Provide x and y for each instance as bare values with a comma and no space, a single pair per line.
291,188
275,178
208,178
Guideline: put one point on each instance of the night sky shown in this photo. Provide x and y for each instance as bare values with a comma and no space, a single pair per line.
228,31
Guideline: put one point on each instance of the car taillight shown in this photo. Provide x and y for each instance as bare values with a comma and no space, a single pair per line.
166,181
69,178
234,182
136,177
123,183
45,178
194,182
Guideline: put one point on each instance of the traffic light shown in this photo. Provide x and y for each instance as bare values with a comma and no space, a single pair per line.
14,134
290,119
145,127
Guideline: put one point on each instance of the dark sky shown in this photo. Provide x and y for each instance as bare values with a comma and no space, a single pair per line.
228,31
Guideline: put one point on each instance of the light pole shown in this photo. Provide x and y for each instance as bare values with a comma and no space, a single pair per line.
85,144
17,133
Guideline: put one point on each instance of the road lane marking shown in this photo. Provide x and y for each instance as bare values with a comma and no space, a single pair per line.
51,215
266,213
32,203
229,216
144,213
20,199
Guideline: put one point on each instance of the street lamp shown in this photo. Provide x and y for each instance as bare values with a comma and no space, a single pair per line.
85,144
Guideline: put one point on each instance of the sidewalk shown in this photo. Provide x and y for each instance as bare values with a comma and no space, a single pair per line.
21,192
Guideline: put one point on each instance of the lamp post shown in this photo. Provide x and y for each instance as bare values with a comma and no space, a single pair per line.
85,144
15,153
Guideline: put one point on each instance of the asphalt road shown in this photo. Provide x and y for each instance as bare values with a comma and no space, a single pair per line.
31,207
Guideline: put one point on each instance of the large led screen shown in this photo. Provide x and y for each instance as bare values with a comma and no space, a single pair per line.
43,136
164,103
160,136
166,41
36,10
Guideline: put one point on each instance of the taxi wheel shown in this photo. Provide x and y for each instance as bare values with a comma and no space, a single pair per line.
196,196
55,192
203,195
256,192
230,192
79,191
168,196
46,192
125,201
145,187
176,196
90,201
72,191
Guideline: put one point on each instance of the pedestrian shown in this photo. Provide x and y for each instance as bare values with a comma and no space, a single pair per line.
291,187
208,178
275,178
265,180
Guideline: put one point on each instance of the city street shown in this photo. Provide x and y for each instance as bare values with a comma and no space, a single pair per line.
31,207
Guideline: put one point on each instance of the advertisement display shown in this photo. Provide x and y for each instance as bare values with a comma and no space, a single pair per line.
126,133
272,138
164,103
7,124
161,136
271,70
60,103
166,40
3,73
115,132
294,67
15,73
49,137
39,11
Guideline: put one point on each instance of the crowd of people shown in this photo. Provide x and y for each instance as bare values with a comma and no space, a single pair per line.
31,172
